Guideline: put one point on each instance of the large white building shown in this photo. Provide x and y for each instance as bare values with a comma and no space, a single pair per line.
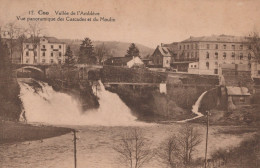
43,50
207,54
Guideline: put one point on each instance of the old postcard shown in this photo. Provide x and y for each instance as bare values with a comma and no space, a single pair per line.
129,84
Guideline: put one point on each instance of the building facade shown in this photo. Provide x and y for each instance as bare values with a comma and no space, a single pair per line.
162,57
206,55
43,50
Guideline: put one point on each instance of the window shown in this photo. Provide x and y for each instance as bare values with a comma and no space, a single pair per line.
216,55
195,66
242,99
188,55
215,71
188,46
191,46
216,47
241,47
191,66
59,46
43,60
197,46
27,61
258,72
233,55
207,46
216,63
224,55
207,56
184,47
207,65
60,54
51,54
249,56
35,53
27,46
249,65
43,53
241,56
27,53
52,61
224,46
59,61
43,46
233,47
192,55
52,46
180,47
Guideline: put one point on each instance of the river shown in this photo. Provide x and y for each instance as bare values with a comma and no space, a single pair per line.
99,131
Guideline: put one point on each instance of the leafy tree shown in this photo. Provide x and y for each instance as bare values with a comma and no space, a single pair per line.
133,51
254,45
70,60
86,52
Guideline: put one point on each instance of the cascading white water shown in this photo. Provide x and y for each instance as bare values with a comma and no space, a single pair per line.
195,108
48,106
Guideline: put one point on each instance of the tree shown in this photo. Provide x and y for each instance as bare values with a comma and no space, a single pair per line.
168,152
133,149
5,62
178,149
101,53
70,60
34,31
86,52
254,45
133,51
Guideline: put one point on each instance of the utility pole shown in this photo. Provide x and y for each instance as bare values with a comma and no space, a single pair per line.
75,148
207,134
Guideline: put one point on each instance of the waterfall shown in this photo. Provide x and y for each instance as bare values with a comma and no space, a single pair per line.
44,105
195,108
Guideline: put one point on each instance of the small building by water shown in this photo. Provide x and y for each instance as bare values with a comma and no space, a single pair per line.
238,95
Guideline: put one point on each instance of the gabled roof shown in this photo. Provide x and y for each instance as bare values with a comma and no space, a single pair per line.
217,38
237,91
164,51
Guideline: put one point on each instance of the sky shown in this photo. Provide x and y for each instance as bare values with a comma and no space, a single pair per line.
148,22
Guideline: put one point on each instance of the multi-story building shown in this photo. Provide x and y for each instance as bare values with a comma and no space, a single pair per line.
43,50
205,55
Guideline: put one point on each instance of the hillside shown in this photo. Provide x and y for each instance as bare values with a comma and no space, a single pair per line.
116,48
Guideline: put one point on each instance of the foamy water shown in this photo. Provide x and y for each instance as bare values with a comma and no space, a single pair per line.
195,109
48,106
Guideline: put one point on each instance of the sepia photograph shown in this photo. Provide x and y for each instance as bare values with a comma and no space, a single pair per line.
129,84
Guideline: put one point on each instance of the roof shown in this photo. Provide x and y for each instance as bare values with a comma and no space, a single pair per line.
217,38
237,91
118,60
49,39
164,51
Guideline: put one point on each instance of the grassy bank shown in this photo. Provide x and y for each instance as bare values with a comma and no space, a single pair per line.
11,132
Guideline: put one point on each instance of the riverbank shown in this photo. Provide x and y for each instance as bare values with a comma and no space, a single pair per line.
12,132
